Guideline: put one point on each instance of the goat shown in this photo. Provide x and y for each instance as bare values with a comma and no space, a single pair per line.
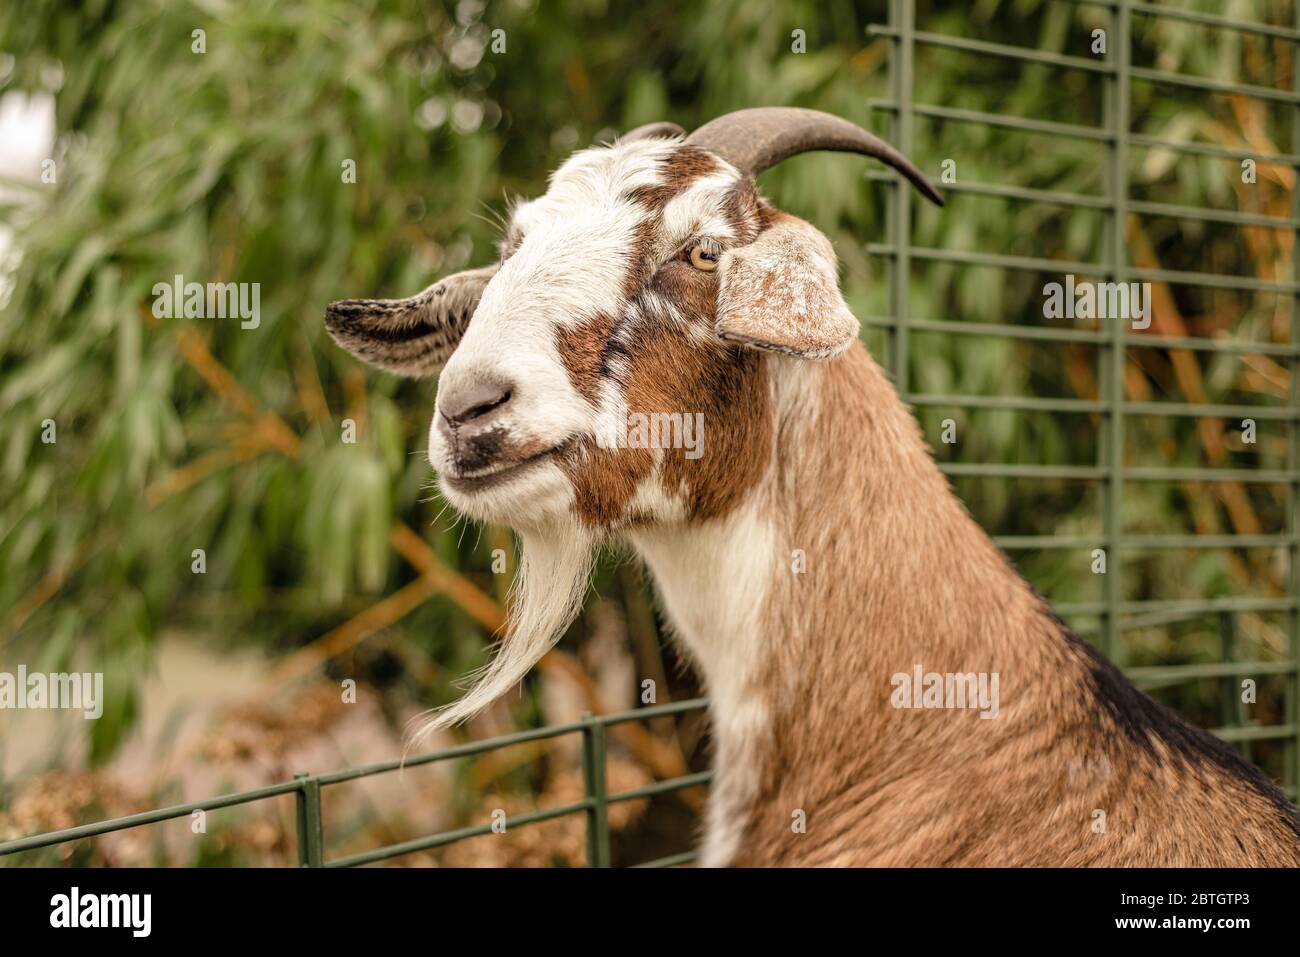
814,557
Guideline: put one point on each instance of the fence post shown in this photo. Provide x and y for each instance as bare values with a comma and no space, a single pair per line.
1112,356
1233,709
902,19
311,841
1291,754
594,788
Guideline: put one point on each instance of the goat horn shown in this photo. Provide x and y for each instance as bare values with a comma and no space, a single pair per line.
663,128
757,139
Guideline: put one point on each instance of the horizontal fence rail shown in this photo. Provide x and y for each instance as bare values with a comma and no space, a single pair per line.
308,790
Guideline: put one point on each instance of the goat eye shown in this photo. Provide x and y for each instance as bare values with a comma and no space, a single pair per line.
704,257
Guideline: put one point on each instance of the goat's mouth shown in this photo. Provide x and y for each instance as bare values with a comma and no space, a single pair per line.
501,473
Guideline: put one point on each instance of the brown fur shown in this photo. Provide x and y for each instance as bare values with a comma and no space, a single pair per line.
582,350
671,373
899,574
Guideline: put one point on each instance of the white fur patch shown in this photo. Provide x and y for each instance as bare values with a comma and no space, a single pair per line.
651,499
548,592
713,580
698,210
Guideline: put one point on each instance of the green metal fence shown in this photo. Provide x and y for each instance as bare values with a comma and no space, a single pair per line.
1113,614
308,790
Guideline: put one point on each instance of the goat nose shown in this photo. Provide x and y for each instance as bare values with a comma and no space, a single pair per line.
465,401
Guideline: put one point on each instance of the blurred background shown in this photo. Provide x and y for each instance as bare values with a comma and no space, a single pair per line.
128,156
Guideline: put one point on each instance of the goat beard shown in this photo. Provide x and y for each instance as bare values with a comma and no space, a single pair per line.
547,594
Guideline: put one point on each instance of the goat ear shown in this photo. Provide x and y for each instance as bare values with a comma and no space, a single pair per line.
782,293
411,337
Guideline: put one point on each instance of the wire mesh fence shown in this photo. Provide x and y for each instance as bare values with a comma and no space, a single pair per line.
308,791
1110,615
